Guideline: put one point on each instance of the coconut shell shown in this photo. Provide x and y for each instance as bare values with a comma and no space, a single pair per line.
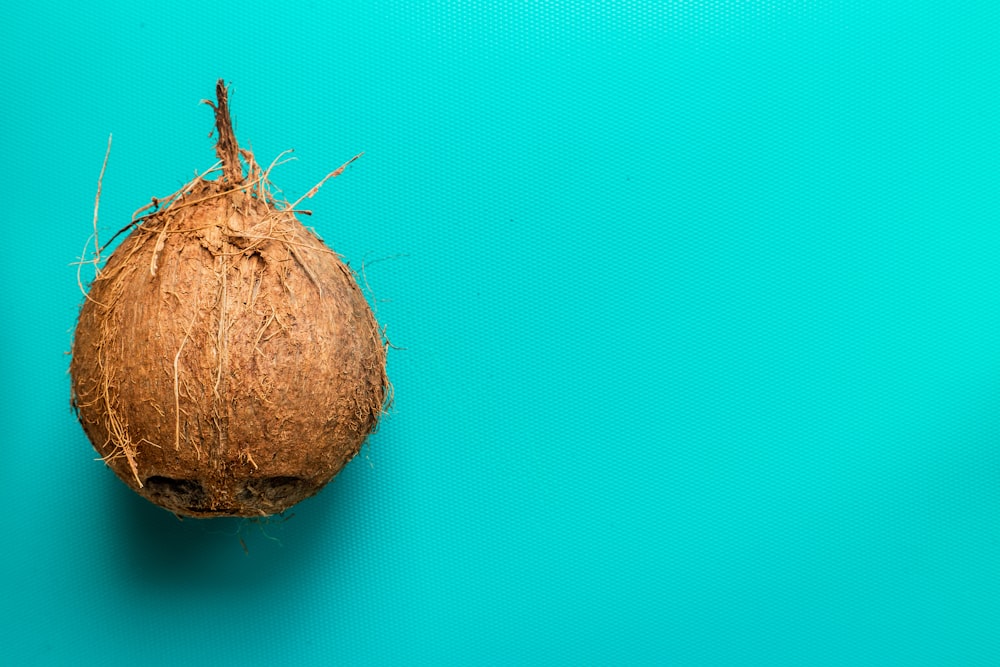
225,362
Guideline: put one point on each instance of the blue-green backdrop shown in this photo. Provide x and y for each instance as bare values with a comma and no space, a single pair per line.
699,304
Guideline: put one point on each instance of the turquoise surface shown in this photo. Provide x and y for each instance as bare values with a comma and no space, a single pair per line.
699,309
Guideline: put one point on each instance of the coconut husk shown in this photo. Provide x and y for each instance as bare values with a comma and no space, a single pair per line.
225,362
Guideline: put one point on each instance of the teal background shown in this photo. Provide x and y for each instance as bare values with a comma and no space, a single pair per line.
700,304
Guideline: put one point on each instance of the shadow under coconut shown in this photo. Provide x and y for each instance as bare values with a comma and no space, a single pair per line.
219,554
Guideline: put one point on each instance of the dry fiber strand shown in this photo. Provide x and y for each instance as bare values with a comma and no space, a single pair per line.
225,362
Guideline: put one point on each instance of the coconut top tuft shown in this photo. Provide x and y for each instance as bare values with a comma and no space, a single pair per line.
226,147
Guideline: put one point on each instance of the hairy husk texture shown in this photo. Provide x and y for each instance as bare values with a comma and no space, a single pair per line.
225,362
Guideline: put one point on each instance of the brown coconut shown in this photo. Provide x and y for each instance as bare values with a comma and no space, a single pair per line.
225,362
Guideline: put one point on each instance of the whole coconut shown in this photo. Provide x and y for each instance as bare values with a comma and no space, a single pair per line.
225,362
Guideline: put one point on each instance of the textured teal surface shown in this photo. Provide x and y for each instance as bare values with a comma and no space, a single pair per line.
700,304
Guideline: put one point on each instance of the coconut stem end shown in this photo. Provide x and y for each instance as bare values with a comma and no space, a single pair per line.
226,146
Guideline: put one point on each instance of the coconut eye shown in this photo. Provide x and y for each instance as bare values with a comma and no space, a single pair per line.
176,492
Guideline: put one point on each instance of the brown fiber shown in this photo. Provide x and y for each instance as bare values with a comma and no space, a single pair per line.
225,362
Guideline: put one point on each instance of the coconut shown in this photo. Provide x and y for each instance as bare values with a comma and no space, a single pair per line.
225,361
